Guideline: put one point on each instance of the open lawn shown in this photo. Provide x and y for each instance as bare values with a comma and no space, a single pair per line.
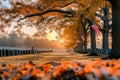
47,57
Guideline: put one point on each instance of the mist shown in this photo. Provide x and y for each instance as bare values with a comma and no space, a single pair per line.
17,41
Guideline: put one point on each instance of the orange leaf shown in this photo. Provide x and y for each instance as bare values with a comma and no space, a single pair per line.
46,68
87,69
57,71
5,73
24,72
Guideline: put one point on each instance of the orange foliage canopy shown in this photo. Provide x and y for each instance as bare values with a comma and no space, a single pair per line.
84,8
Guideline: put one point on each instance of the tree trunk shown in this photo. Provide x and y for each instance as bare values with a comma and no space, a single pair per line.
105,46
93,42
85,44
85,41
78,48
115,53
85,34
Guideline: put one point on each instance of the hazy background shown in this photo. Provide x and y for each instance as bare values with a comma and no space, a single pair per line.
16,41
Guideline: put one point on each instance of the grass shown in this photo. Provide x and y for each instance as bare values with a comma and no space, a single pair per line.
46,57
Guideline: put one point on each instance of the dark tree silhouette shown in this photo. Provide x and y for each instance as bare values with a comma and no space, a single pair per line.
115,53
93,38
106,27
85,26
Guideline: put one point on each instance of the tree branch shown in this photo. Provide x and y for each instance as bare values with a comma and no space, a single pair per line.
98,15
42,13
68,3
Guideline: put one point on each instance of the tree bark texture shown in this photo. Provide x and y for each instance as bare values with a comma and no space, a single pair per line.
115,53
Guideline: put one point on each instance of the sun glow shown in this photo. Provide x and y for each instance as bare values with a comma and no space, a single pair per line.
61,41
52,36
29,30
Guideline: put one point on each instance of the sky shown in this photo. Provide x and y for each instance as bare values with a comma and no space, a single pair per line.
5,4
29,31
52,36
25,28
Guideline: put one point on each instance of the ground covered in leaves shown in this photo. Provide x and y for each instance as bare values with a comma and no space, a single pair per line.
51,66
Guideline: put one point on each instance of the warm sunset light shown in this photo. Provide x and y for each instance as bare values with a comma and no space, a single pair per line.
52,36
29,30
61,41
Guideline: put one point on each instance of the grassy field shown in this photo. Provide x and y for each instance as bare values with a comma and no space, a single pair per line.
47,57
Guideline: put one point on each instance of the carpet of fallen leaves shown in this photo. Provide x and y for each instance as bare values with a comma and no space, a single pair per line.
62,70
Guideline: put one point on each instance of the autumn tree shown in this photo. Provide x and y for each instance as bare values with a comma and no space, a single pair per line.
105,15
115,29
83,44
85,29
81,7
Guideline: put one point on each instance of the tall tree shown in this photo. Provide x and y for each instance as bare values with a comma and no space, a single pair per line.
115,53
85,29
92,37
105,14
